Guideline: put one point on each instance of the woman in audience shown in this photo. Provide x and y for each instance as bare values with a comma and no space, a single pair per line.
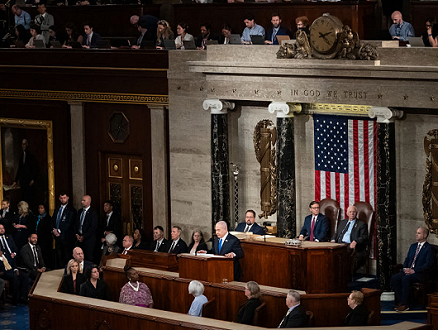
245,314
35,32
181,29
54,36
71,283
72,35
23,220
134,292
42,226
164,32
196,289
95,287
110,248
22,34
139,243
303,24
430,35
197,243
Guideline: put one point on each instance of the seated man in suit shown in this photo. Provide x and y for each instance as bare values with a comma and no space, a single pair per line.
359,314
18,281
296,315
418,267
91,38
227,245
355,233
160,244
316,226
177,245
7,217
31,257
250,225
276,30
127,243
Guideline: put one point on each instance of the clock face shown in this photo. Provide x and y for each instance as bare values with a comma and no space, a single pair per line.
323,35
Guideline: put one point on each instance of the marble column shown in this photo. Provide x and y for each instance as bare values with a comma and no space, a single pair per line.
220,178
78,152
286,185
386,215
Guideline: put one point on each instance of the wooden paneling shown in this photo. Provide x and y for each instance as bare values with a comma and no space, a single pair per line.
314,268
210,269
360,16
432,310
108,21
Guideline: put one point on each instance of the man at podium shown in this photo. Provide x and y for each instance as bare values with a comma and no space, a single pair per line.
227,245
250,225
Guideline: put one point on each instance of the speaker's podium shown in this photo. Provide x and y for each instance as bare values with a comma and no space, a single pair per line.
206,267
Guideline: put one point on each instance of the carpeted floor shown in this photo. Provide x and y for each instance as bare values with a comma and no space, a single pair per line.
14,317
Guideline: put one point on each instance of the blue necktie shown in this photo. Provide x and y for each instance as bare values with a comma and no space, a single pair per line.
82,220
58,217
220,245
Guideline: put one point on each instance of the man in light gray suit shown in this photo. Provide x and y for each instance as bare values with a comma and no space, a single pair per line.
44,20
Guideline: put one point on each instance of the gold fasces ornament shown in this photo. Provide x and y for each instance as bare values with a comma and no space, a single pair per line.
430,185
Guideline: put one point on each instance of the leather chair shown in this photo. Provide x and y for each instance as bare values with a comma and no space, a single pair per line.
365,213
310,320
209,308
331,209
260,315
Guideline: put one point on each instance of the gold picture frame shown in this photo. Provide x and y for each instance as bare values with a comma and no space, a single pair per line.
46,125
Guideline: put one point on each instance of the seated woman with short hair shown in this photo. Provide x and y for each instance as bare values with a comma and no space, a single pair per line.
134,292
71,283
196,288
35,32
95,287
245,314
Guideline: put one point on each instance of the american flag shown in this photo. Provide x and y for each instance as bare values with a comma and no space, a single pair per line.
345,159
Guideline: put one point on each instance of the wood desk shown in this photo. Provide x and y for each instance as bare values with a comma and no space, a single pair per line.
314,267
156,260
206,267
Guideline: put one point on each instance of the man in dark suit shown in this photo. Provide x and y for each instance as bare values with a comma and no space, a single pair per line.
7,217
355,233
86,225
316,226
18,281
160,244
276,30
177,245
63,220
127,243
296,315
32,258
84,265
250,225
418,267
359,314
227,245
91,38
110,223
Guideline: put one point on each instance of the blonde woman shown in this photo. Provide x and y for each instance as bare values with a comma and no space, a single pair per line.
164,32
71,283
22,222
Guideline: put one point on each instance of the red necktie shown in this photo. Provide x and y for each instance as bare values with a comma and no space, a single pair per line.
311,229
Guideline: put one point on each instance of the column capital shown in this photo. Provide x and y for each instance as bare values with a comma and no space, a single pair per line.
218,107
384,115
284,109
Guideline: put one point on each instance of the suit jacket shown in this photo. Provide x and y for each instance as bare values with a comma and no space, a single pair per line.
321,231
282,31
13,248
45,23
101,291
28,171
201,246
425,261
95,38
231,244
357,317
7,221
27,258
43,230
359,233
164,246
66,223
255,229
245,314
296,319
180,247
114,225
67,283
89,226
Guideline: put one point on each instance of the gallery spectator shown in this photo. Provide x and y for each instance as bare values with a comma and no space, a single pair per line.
164,32
90,38
181,30
251,29
204,36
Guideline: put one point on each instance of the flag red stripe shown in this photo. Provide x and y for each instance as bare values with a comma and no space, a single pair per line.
356,162
366,160
317,185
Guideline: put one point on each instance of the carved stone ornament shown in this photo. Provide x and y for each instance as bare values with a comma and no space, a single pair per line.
384,115
44,320
265,138
284,109
217,106
430,185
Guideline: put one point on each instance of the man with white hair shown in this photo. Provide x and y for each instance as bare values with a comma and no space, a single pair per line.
400,30
355,233
227,245
296,315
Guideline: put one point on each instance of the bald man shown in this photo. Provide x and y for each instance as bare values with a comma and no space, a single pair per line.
400,30
353,232
86,224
